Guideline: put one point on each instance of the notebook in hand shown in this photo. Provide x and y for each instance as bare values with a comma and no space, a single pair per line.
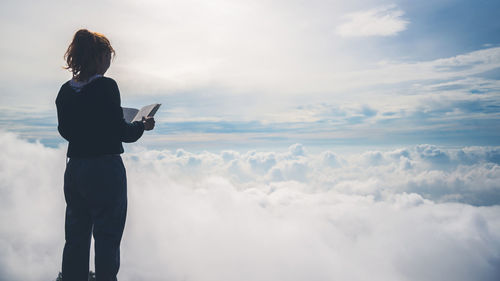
132,114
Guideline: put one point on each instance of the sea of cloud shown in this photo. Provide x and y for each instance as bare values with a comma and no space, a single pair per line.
414,213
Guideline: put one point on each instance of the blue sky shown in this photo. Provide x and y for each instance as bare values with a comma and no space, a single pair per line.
270,73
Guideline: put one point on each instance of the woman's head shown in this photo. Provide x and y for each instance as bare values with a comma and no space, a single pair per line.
88,54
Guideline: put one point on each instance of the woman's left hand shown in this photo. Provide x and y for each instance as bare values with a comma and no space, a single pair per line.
149,123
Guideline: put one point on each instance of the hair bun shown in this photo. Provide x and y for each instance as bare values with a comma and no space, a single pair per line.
84,35
83,32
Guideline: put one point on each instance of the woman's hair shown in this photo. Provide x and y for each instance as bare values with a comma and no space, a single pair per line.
85,53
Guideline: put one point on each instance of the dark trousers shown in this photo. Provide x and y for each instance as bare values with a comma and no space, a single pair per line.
96,203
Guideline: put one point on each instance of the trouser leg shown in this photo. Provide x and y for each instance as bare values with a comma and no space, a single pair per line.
108,230
108,215
78,226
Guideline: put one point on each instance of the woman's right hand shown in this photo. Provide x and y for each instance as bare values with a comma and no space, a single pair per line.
149,123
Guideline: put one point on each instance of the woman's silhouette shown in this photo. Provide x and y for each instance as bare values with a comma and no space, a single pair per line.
90,118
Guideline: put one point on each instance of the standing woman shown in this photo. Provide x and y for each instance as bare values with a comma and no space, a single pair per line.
95,186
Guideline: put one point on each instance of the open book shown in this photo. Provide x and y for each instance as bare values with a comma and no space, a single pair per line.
131,114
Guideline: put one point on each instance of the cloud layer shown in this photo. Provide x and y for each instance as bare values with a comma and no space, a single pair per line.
385,21
406,214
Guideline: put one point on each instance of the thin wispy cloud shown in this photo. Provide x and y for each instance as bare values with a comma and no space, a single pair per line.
384,21
451,99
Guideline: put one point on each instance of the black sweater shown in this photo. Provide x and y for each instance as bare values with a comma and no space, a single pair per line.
91,120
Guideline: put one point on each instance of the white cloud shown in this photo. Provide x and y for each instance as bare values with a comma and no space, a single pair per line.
385,21
31,208
270,215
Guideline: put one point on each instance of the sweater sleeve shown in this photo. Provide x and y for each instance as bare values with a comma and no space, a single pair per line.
62,124
127,132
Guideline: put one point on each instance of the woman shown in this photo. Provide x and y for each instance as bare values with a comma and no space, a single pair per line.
95,186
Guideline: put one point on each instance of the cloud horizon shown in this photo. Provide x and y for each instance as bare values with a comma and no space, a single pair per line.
415,213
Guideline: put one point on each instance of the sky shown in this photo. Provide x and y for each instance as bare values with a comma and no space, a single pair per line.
267,74
297,140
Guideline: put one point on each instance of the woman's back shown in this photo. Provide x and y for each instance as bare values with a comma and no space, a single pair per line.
91,119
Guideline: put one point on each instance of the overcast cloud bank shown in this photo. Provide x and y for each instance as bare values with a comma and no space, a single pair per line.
378,215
